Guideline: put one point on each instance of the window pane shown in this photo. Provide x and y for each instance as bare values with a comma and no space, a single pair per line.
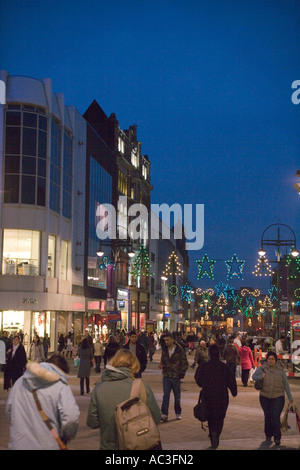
41,192
29,120
28,190
21,251
13,118
51,255
54,197
42,167
54,174
64,257
43,123
11,188
12,164
28,165
29,141
42,144
12,143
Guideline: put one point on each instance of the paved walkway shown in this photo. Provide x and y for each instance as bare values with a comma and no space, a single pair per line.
243,428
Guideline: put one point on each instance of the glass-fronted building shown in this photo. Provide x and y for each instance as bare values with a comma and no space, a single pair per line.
42,198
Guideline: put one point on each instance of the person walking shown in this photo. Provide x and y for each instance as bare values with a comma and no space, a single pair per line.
201,354
174,365
28,431
111,348
151,345
69,344
231,355
36,351
46,345
85,355
16,363
215,378
272,395
61,344
247,361
98,353
114,388
139,350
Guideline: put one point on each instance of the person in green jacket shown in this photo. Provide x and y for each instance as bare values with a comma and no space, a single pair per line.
114,388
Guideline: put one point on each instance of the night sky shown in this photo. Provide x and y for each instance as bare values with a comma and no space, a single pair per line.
209,85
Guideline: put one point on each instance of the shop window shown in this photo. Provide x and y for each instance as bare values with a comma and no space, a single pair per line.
64,260
21,252
51,255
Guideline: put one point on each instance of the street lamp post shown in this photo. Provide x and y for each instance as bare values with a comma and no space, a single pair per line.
164,279
278,242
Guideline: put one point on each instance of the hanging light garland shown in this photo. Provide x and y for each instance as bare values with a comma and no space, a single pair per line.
205,266
235,267
263,268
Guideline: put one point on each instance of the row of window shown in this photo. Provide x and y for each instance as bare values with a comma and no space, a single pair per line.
25,169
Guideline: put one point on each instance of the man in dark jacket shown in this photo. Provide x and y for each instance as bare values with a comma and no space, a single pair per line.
138,349
215,378
174,365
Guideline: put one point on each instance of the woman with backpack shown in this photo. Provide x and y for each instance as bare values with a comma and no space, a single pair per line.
113,389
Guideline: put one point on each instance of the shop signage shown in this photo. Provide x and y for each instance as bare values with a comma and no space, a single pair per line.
114,315
30,301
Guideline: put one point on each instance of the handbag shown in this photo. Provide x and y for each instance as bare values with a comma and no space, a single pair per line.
76,361
287,422
200,410
258,384
46,420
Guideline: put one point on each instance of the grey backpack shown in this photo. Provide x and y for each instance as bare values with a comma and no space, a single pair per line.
135,426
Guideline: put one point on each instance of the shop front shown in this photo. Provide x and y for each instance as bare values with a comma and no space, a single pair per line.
31,315
95,319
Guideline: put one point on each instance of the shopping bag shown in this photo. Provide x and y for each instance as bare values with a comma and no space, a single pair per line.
291,420
76,361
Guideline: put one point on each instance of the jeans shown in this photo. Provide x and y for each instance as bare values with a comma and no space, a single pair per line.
272,408
245,376
169,384
87,384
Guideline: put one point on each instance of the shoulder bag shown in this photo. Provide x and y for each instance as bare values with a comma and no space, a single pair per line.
46,420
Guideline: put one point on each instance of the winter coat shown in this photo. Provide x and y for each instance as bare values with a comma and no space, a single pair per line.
175,366
246,357
15,366
140,354
114,388
36,352
215,378
98,349
231,354
27,428
110,351
275,382
85,356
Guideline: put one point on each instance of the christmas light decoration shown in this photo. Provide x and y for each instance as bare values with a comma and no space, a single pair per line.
106,262
263,268
235,267
297,292
293,265
141,266
173,267
173,290
186,293
251,301
221,300
205,266
267,302
274,293
237,302
220,288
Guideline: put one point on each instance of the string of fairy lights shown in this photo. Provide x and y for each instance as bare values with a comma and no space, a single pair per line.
223,299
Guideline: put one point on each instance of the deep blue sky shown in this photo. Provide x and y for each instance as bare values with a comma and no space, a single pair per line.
207,82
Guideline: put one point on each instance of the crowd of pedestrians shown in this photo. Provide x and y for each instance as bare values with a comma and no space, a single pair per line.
218,361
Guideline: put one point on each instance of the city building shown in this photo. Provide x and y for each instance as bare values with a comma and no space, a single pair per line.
128,289
42,200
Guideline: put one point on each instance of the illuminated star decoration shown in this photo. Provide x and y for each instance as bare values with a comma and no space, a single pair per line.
186,293
235,267
205,266
220,288
273,293
251,301
106,262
